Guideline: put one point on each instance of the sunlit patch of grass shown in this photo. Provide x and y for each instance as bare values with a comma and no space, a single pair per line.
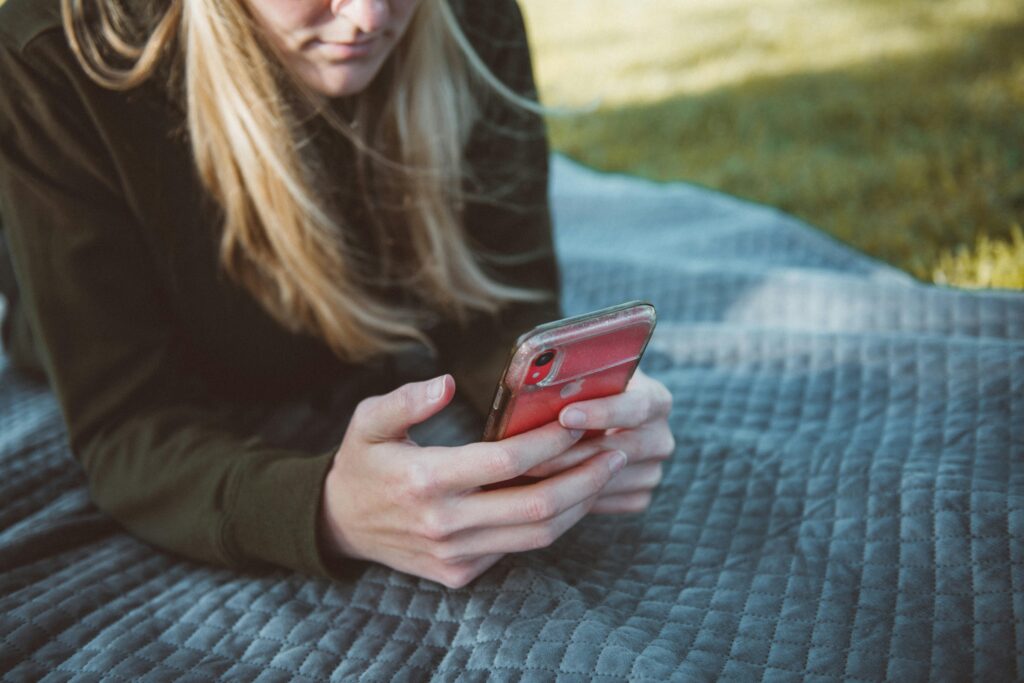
989,263
894,126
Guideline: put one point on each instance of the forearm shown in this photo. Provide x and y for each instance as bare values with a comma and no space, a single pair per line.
177,478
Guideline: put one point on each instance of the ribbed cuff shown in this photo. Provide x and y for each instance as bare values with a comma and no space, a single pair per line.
274,511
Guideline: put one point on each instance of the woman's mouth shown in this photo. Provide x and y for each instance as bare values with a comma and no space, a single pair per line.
347,49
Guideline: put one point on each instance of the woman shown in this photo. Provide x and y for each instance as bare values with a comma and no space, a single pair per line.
213,203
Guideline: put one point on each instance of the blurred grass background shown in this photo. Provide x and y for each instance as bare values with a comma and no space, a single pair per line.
894,125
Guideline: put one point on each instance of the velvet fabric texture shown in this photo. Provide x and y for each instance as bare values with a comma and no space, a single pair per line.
846,501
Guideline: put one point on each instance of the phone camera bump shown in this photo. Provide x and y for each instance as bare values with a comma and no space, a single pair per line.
540,368
544,358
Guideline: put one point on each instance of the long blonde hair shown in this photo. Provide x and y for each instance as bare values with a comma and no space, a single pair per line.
280,239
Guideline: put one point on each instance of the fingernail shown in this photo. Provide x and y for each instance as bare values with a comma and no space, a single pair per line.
435,389
617,462
576,433
574,418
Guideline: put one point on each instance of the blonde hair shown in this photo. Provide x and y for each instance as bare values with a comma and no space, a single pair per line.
280,239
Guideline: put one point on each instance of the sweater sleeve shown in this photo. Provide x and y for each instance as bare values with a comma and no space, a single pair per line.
159,458
507,213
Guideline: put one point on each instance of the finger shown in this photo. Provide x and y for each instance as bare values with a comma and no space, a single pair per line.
634,479
622,504
652,441
634,407
581,452
459,574
489,462
389,417
538,502
510,539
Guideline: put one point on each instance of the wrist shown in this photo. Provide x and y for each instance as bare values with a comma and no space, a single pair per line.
331,537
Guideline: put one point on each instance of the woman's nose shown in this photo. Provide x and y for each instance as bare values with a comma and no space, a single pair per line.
368,16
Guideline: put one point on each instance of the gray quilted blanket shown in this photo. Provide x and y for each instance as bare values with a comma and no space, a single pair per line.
846,501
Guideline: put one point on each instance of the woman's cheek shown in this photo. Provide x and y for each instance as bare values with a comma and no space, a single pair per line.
404,10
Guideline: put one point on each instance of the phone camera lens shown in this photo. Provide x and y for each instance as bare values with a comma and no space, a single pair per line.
543,359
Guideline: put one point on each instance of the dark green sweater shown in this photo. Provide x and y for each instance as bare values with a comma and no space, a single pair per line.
143,338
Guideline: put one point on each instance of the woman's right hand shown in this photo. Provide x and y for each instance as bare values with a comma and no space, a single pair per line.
422,510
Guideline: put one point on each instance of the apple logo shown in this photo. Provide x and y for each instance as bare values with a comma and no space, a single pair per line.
571,389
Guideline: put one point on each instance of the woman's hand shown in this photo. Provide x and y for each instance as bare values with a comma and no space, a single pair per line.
634,422
421,510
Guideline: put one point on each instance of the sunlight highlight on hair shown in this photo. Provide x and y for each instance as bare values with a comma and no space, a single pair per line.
279,240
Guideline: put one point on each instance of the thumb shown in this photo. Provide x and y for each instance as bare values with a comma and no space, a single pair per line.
389,417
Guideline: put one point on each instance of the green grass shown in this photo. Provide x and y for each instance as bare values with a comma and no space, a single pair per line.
991,263
896,126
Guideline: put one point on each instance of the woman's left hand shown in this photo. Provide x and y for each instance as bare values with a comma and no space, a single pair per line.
634,422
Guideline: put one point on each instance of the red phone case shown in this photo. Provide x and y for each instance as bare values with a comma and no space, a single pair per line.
592,356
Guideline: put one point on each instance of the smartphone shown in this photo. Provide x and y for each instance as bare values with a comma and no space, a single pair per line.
576,359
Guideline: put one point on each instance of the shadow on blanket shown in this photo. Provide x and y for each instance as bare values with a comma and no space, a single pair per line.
846,500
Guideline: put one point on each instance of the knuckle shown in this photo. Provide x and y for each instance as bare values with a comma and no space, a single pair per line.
597,477
421,480
435,526
649,407
629,440
657,473
398,402
668,445
446,552
405,399
457,576
364,409
664,400
503,463
543,537
537,507
594,410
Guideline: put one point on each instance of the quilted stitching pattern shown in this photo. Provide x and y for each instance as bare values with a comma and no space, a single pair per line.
846,501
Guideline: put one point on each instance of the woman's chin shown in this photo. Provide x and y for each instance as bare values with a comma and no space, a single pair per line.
341,80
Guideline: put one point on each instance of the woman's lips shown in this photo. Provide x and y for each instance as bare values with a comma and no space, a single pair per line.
345,50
